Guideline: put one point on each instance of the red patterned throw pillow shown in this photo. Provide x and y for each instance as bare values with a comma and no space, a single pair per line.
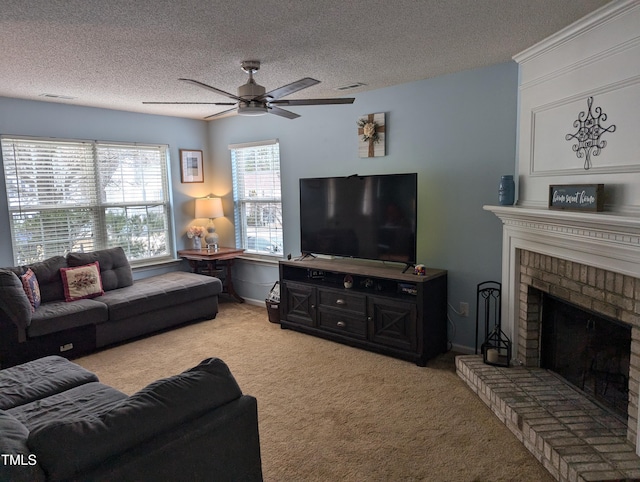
82,282
31,288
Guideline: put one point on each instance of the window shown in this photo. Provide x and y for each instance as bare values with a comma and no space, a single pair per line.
66,195
257,197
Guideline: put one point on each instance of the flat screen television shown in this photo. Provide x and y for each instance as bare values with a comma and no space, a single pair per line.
370,217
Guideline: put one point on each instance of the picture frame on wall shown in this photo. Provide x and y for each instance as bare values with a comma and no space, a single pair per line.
191,166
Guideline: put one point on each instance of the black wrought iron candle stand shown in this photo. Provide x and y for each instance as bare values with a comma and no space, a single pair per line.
496,348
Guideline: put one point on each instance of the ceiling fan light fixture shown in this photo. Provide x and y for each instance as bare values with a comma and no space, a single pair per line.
252,109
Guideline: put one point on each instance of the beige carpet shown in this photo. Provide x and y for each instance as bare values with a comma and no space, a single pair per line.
329,412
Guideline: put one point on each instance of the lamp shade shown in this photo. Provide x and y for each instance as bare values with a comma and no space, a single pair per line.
209,207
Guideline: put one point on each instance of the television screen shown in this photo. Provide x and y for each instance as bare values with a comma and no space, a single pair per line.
371,217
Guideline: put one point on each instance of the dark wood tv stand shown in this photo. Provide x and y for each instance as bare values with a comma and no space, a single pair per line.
386,311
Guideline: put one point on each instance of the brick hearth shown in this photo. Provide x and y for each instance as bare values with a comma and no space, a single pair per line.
571,436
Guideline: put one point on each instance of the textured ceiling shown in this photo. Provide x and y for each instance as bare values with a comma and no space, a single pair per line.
116,54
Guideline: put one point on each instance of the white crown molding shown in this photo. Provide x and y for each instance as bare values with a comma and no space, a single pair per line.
589,22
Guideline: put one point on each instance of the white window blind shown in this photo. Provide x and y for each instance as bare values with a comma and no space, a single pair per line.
66,195
257,197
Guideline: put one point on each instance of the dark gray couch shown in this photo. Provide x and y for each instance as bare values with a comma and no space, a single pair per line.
127,309
58,422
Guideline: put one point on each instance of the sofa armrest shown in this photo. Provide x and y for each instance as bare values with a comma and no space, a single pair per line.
18,463
222,445
14,304
65,448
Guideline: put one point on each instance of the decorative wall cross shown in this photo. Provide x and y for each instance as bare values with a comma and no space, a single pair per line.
371,132
589,133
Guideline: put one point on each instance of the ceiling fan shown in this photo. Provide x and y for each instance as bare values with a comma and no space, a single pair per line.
252,99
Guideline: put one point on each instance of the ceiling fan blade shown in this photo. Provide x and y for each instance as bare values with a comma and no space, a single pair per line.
208,87
282,112
207,103
220,113
289,88
342,100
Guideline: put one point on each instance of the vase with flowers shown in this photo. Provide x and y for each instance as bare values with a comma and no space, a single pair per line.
196,233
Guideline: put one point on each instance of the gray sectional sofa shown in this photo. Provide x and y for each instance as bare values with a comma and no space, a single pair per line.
58,422
125,310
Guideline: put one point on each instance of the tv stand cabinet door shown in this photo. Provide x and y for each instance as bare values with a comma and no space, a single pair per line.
300,304
393,323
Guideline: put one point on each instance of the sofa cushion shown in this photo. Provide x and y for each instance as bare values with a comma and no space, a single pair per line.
82,282
60,315
49,280
114,266
157,292
40,378
13,299
84,402
66,447
13,444
31,288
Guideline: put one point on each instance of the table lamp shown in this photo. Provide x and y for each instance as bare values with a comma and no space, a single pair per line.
210,207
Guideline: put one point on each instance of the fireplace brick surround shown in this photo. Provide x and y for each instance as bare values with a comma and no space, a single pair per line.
591,260
572,437
594,289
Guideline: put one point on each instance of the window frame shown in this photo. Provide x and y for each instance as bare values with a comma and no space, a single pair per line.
95,202
271,205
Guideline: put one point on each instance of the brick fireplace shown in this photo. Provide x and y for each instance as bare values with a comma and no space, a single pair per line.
613,295
591,260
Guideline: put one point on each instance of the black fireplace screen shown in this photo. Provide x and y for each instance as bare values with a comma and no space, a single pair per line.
590,351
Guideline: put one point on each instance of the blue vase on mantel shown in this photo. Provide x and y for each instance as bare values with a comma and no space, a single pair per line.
506,191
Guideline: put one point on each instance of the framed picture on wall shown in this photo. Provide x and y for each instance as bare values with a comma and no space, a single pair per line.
191,168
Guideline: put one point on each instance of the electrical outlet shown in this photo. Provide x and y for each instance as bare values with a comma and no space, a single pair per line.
464,309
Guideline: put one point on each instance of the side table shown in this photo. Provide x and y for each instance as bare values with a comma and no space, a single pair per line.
211,258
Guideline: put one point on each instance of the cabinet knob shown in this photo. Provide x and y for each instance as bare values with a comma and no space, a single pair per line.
341,324
313,307
340,301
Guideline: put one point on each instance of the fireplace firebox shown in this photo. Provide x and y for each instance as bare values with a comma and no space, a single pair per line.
590,351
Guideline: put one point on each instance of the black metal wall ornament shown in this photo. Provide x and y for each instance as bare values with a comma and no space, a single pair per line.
589,133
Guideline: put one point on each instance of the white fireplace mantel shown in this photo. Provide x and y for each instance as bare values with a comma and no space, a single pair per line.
603,240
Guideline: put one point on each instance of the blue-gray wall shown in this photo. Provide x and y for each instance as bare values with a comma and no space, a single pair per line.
458,132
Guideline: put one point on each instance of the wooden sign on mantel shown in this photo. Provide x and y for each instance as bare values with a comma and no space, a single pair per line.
577,197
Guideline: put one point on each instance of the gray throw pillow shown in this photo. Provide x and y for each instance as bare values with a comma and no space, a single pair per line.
49,279
13,299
